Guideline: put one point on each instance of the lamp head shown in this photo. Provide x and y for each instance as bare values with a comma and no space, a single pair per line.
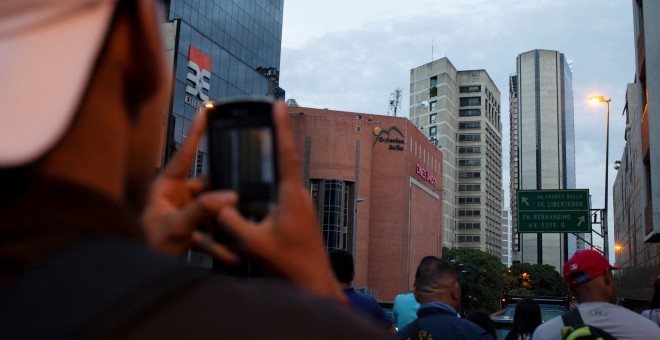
598,99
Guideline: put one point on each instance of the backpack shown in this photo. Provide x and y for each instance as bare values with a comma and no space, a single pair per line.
575,329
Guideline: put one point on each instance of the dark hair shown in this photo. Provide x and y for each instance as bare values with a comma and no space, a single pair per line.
526,318
483,320
342,264
655,301
431,269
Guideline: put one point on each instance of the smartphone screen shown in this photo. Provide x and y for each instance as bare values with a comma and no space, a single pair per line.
243,154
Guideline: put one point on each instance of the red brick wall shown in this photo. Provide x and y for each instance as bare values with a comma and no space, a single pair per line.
385,258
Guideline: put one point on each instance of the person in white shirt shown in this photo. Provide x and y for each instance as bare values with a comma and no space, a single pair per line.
589,278
653,313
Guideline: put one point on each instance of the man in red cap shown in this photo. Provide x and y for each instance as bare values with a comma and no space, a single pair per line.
589,278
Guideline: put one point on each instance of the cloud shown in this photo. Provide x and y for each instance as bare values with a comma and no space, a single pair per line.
353,54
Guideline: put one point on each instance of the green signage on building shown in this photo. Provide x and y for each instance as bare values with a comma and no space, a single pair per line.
553,211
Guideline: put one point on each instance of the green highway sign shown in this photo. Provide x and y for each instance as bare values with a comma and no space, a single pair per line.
553,211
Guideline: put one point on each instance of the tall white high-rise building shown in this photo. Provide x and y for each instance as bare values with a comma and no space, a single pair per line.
542,145
460,112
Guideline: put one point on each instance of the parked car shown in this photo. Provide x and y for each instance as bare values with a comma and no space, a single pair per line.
551,307
503,325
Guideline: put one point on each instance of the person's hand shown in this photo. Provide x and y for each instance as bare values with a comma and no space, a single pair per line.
177,206
288,241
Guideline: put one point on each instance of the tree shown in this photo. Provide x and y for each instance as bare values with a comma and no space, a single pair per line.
481,276
535,279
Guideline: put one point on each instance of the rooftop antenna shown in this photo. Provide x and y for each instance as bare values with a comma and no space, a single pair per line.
395,102
432,41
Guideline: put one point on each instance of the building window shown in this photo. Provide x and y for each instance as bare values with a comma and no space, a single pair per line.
333,199
469,149
469,187
469,225
469,162
470,101
466,212
469,112
433,118
469,174
433,132
469,238
469,137
434,81
469,125
470,89
434,106
469,200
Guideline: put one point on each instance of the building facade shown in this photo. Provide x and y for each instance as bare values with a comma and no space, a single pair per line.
636,190
542,146
459,112
376,182
218,49
507,260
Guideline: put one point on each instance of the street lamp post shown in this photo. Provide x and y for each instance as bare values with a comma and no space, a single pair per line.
356,201
601,99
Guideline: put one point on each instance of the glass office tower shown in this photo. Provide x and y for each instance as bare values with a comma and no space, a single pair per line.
543,145
219,49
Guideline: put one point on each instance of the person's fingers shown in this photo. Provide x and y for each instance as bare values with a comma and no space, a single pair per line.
232,221
204,205
184,157
195,186
289,161
247,233
220,252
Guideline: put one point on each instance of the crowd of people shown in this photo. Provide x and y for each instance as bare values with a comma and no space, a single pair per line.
92,241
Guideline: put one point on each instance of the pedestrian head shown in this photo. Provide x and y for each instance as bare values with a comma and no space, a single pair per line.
526,318
436,281
342,264
589,277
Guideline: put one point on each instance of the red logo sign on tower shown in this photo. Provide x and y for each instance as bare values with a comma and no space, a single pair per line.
199,73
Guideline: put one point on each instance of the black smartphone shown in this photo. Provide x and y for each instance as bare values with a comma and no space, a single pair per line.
243,157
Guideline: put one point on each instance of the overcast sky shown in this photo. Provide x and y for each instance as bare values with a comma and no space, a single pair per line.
350,55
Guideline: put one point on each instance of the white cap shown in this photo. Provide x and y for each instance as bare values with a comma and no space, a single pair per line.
48,49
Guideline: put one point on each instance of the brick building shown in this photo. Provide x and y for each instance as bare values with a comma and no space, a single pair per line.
376,182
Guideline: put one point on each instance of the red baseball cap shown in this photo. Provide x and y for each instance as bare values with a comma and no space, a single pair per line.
585,266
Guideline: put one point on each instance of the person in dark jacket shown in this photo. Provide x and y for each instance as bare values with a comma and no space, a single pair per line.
439,293
344,269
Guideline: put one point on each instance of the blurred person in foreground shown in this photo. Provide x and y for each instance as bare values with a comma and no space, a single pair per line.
85,94
344,269
526,317
590,280
404,310
439,294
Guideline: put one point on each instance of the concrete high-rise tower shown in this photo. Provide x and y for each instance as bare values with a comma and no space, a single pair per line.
542,145
460,112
